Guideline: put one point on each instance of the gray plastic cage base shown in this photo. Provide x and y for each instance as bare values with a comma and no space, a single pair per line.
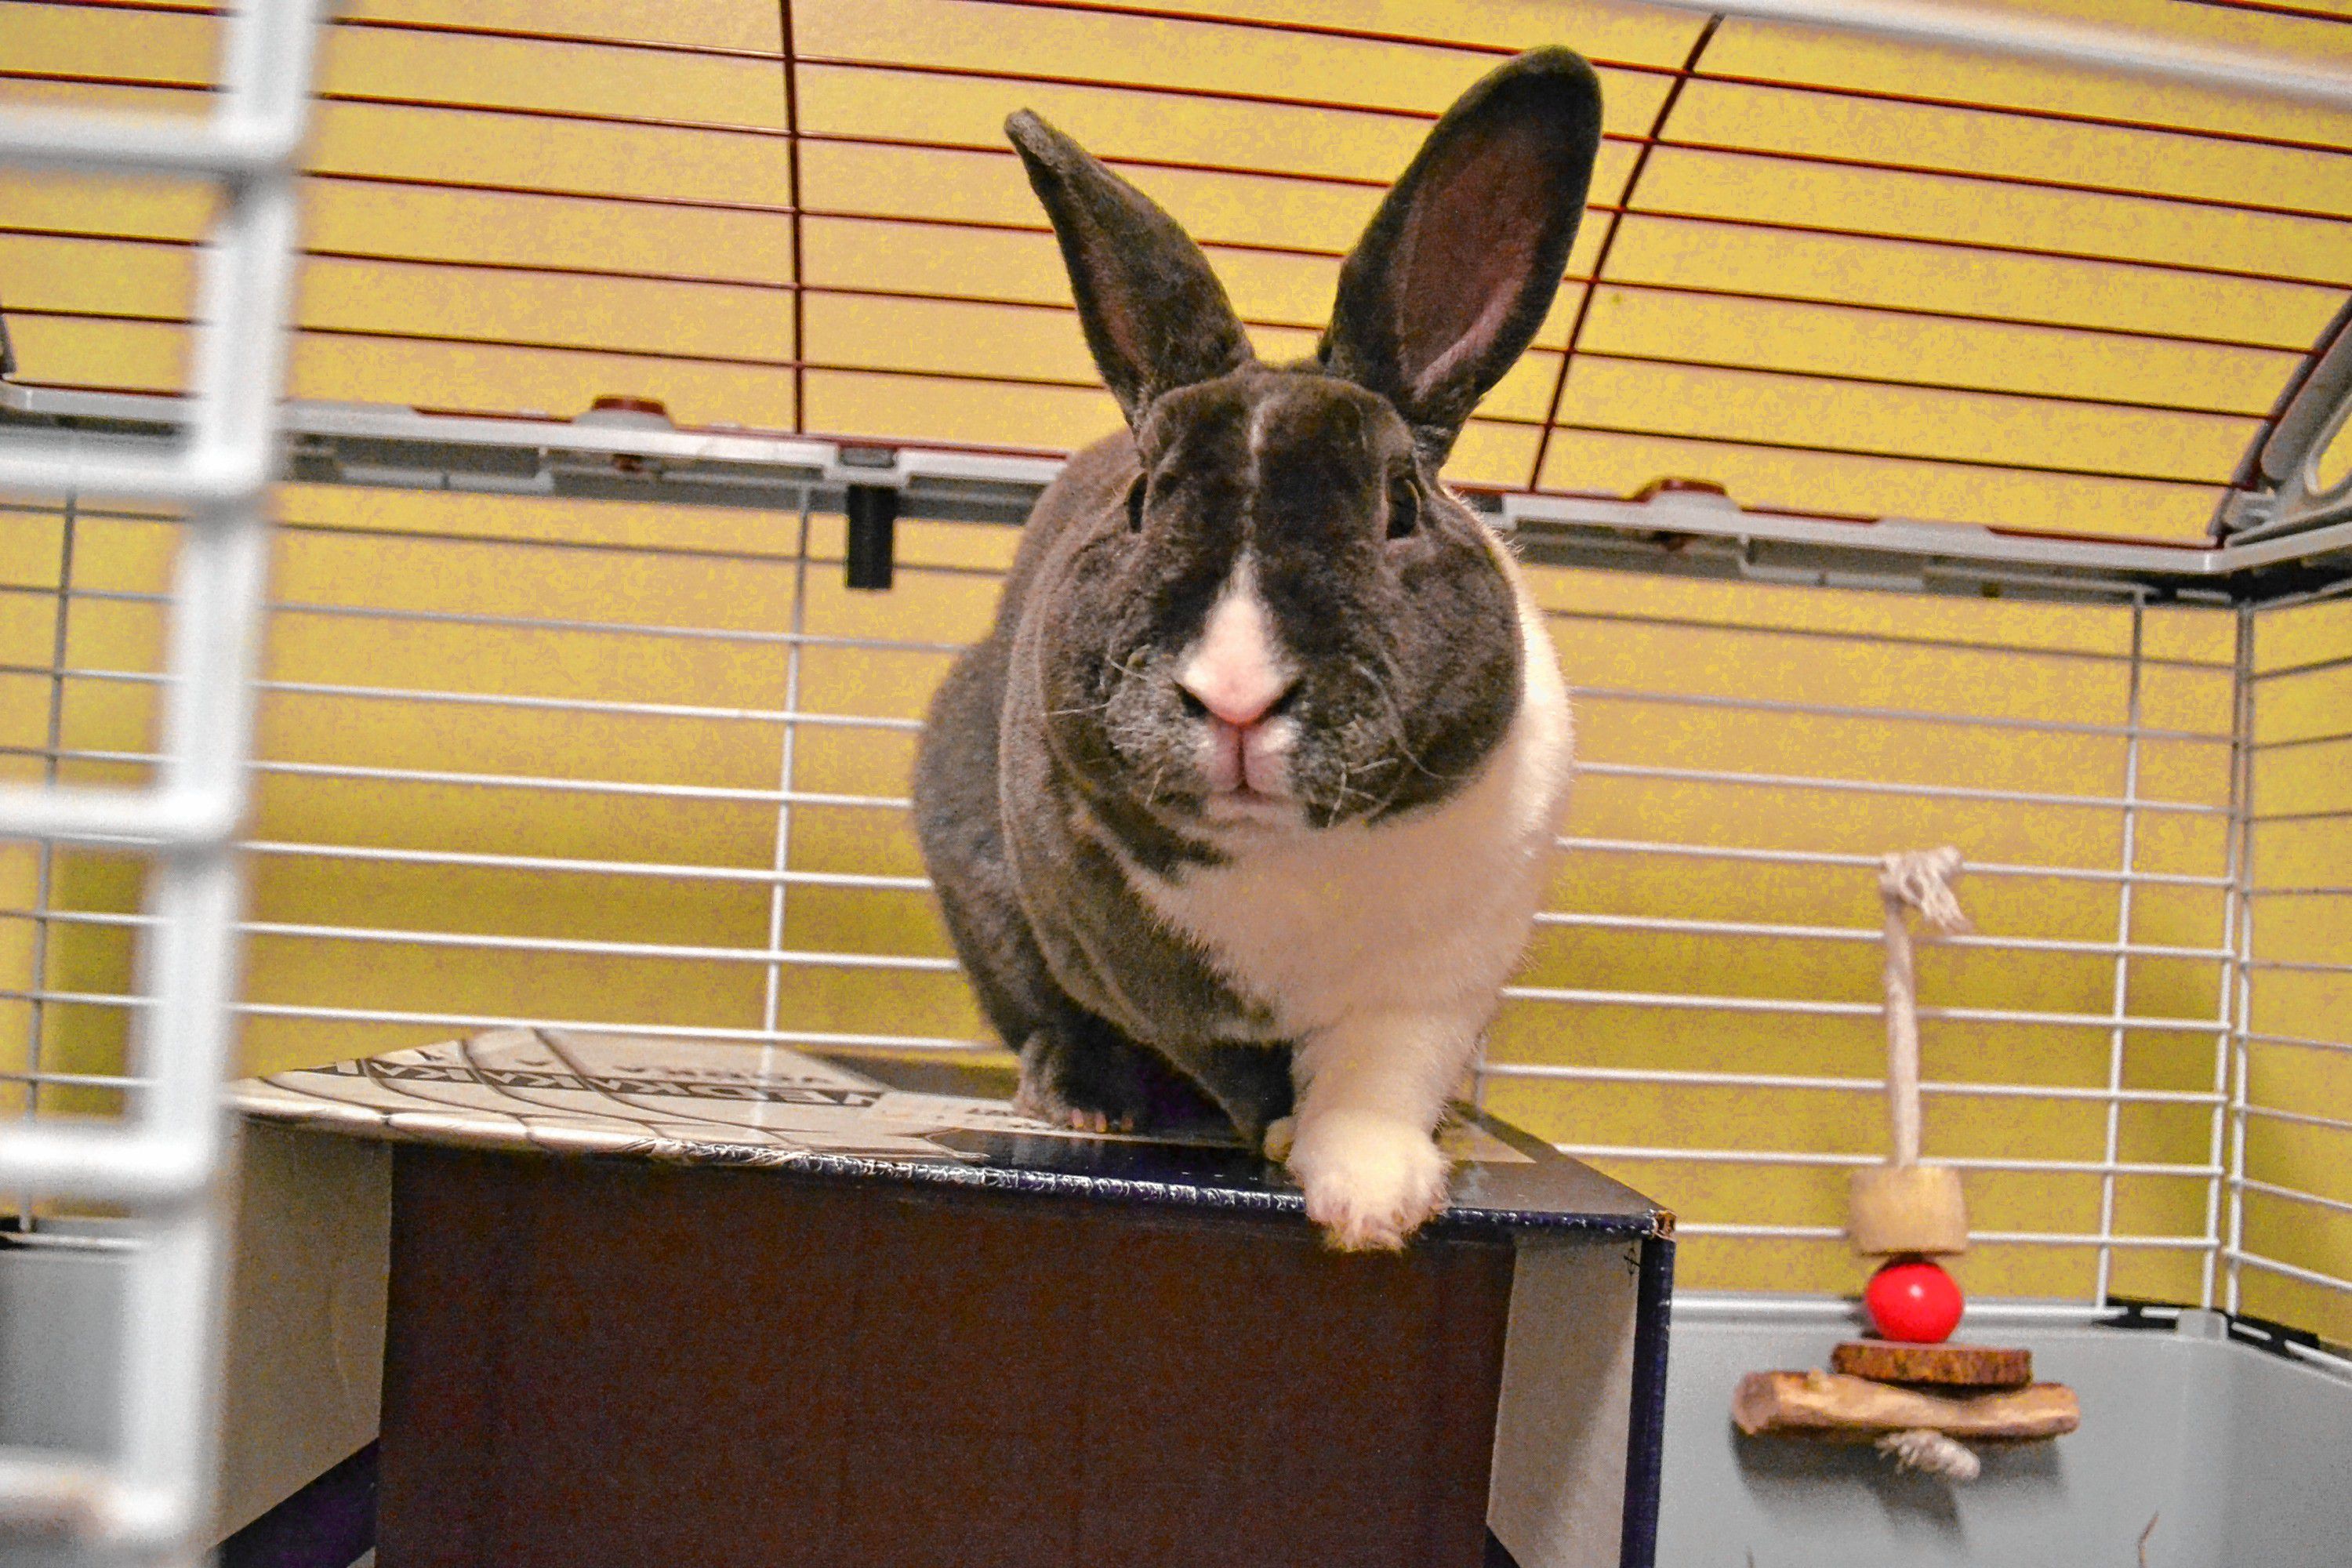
60,1341
2241,1455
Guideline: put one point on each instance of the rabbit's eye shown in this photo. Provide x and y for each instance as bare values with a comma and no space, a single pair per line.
1134,503
1404,507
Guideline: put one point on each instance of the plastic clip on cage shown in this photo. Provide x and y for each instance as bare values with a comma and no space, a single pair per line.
147,1496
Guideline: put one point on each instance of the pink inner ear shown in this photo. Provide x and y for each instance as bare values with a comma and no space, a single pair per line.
1115,319
1468,251
1469,345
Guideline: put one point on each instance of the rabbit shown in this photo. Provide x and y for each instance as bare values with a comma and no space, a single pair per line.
1258,777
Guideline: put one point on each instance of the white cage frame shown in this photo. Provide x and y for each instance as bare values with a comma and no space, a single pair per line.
163,1161
214,457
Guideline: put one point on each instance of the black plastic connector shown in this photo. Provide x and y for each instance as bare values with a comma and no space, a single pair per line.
873,535
2266,1335
2139,1312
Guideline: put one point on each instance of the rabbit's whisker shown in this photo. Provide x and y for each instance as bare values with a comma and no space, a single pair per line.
1403,747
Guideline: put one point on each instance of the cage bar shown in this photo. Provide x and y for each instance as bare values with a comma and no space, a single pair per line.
149,1498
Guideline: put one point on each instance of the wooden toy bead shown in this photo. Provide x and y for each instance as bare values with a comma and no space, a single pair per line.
1914,1301
1906,1210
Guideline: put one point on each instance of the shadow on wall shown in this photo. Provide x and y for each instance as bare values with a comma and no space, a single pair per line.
1910,1499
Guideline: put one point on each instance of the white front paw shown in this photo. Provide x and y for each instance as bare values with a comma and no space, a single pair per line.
1369,1180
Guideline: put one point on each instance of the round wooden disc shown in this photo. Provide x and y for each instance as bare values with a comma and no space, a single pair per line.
1972,1366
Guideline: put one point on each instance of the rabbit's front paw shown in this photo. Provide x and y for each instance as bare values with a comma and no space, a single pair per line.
1089,1085
1369,1180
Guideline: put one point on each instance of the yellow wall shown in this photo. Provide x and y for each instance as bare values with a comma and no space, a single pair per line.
2303,841
1832,287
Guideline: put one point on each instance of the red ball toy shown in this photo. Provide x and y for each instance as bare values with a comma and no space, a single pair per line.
1912,1300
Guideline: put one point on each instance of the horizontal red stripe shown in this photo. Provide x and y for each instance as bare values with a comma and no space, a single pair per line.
2015,111
977,378
1311,29
1696,290
2028,182
1993,248
534,35
1937,459
2282,344
787,135
1664,136
2272,9
1848,378
1032,79
1612,356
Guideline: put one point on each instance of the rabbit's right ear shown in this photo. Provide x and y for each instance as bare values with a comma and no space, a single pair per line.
1454,274
1155,316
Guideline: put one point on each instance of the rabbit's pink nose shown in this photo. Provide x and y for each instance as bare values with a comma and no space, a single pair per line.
1238,705
1235,671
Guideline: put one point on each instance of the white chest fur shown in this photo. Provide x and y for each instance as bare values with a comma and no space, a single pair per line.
1426,913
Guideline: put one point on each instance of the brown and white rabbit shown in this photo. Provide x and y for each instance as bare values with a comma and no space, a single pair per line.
1260,771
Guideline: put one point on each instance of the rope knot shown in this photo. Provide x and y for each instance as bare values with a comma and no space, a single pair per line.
1921,881
1937,1454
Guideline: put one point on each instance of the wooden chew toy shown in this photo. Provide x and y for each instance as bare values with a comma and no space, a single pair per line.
1905,1207
1907,1213
1947,1365
1857,1410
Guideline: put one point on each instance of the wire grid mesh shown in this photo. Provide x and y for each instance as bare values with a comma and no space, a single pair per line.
642,768
2290,1209
158,1156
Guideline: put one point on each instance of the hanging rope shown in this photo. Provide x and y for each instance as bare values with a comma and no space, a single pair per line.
1916,882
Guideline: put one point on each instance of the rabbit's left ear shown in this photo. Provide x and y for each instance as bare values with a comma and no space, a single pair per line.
1451,280
1155,316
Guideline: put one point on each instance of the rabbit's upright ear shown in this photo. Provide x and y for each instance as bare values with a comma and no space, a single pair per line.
1451,280
1155,316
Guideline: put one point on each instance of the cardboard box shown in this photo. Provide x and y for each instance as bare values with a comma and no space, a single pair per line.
662,1303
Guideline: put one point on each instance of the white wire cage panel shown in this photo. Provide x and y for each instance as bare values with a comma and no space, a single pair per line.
2290,1219
145,1139
642,767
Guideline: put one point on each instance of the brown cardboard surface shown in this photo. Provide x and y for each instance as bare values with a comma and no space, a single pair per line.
593,1361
